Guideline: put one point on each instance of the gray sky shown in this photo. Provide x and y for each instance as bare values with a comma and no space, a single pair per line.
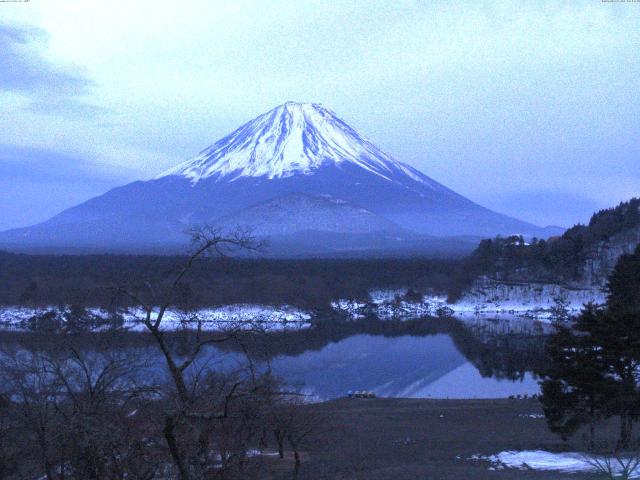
529,108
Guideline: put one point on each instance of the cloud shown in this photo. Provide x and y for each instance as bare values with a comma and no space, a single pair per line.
50,88
35,184
43,165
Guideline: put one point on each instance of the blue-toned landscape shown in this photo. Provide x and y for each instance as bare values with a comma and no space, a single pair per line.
319,240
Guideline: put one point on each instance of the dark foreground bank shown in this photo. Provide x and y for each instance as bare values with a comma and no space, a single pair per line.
400,439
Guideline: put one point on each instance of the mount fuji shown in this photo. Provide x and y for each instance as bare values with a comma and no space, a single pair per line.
297,174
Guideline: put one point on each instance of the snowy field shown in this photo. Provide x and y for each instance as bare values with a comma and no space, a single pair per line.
566,462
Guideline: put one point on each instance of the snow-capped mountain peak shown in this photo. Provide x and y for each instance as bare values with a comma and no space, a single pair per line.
292,138
293,170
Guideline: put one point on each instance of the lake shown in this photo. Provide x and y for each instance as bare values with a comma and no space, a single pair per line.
426,358
405,366
421,358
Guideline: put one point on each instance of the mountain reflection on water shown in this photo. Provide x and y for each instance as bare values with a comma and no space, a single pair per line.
427,358
406,366
431,358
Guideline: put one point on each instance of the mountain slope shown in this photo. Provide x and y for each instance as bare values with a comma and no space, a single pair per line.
298,212
301,148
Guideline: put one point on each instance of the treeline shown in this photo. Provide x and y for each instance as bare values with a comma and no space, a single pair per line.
40,280
558,259
89,280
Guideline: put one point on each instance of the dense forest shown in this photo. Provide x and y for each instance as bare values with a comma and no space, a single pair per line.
557,259
41,280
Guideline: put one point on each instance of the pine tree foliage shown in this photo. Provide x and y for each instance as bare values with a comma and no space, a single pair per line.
594,361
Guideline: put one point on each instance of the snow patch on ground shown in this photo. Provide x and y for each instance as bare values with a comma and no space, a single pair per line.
11,317
537,300
566,462
388,307
240,316
264,317
386,296
486,299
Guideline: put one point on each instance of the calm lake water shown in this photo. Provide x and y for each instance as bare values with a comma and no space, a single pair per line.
427,358
447,359
405,366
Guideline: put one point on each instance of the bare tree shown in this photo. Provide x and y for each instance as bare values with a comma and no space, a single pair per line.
10,452
616,466
197,401
154,305
74,408
291,421
34,392
71,412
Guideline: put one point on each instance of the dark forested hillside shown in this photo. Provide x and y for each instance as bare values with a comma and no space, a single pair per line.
557,259
89,280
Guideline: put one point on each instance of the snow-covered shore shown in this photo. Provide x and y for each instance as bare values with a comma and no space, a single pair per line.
486,299
266,317
491,300
534,299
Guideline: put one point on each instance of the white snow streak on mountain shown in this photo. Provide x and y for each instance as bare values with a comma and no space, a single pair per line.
292,138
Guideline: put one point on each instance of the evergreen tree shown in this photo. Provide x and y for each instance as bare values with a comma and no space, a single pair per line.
624,285
594,363
575,390
620,339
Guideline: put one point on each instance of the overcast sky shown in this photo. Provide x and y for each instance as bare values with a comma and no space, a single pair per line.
529,108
